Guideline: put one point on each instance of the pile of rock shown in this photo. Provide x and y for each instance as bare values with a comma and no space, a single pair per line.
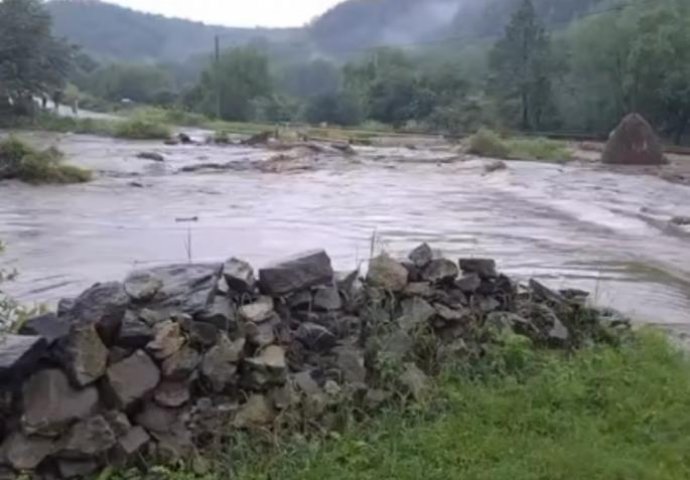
179,356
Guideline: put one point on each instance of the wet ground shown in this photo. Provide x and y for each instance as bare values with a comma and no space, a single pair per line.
577,225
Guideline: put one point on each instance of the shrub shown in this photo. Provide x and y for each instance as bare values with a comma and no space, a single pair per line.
19,161
488,143
141,129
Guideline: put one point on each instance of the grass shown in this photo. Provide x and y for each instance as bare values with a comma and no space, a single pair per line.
521,414
488,143
141,129
22,162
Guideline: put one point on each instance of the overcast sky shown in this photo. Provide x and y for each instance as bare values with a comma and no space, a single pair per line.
242,13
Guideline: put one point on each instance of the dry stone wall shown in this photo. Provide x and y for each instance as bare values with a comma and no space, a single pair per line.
177,357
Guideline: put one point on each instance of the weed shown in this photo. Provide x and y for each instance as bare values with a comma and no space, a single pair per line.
142,129
20,161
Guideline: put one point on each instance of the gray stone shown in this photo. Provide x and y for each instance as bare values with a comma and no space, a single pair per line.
283,397
257,312
484,267
48,326
421,256
118,421
104,306
387,274
440,270
469,283
305,383
19,354
153,317
262,334
133,441
350,362
26,453
157,419
507,321
414,381
220,313
327,299
167,339
181,364
416,313
88,438
452,315
154,156
558,334
418,289
64,306
239,275
681,221
219,366
132,379
268,368
134,333
634,142
201,335
51,404
257,412
315,337
175,444
142,286
542,293
172,394
187,288
84,354
300,300
117,354
296,273
77,468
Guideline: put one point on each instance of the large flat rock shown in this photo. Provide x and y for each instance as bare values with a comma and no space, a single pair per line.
301,271
19,354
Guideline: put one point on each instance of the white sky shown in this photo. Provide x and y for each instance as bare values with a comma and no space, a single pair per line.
236,13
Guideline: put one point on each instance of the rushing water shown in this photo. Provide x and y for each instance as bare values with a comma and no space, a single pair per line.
568,225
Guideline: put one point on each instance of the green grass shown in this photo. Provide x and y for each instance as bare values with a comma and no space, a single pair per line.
141,129
22,162
520,414
488,143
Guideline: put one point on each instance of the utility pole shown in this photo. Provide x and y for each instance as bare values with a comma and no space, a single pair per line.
218,85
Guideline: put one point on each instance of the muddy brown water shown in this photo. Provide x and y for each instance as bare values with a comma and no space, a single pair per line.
575,225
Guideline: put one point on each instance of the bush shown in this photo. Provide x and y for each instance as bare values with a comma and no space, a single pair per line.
141,129
488,143
19,161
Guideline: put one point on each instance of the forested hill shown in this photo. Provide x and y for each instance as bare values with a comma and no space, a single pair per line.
358,24
111,31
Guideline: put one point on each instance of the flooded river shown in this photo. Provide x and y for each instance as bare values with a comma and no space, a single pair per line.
574,225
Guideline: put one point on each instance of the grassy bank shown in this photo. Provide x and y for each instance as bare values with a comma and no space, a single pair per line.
20,161
521,414
487,143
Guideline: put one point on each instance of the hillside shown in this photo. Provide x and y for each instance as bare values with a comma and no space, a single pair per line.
111,31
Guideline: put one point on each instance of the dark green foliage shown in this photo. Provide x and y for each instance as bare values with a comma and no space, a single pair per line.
240,78
522,69
32,62
338,109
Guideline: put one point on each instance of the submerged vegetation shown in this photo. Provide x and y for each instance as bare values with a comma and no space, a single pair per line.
22,162
141,129
488,143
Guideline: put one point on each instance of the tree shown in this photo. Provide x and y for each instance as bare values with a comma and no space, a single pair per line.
659,61
522,68
318,77
241,77
340,109
139,83
32,61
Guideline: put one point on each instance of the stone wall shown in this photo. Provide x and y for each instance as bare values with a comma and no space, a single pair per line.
177,357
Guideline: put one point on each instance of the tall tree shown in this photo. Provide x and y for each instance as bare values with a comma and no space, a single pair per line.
521,67
32,61
231,86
